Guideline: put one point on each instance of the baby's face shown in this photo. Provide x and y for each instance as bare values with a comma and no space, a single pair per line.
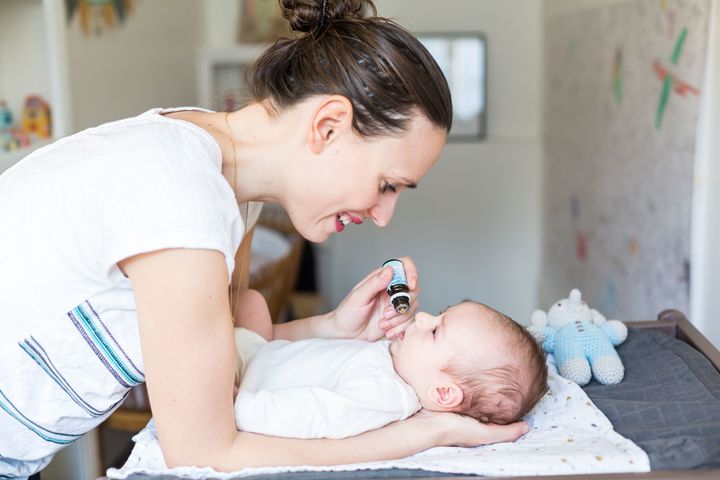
431,342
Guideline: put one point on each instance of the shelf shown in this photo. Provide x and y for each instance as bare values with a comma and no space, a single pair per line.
8,159
34,61
220,75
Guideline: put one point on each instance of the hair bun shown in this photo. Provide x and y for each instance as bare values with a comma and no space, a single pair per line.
311,15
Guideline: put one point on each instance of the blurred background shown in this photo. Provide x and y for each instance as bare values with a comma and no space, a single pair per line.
596,165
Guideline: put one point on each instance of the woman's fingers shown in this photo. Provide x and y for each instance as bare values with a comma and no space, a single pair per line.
366,291
469,432
395,331
398,323
411,273
504,433
361,282
390,315
463,431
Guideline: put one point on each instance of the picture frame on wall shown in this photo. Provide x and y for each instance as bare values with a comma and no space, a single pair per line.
463,59
260,21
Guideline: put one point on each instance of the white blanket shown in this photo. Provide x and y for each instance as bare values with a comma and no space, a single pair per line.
568,434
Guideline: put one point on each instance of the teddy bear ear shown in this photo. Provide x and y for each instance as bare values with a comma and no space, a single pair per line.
575,296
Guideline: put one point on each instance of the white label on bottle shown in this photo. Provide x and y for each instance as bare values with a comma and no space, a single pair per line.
398,272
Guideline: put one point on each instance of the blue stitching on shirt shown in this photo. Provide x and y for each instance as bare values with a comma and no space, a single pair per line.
41,432
33,348
97,352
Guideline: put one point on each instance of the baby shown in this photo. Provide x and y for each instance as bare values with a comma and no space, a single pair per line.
469,359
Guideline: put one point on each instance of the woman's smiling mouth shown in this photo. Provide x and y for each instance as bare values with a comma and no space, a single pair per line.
344,219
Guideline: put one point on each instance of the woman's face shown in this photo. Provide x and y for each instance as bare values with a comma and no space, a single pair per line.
357,179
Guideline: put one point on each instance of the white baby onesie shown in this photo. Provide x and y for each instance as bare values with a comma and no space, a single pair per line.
320,388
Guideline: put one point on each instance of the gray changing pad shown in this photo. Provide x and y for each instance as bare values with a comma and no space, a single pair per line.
668,402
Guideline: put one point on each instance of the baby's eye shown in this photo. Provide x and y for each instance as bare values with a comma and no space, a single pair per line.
388,187
434,332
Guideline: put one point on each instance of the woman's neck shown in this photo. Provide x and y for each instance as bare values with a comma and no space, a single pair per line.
252,146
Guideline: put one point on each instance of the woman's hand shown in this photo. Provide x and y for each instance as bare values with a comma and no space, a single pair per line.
463,431
366,312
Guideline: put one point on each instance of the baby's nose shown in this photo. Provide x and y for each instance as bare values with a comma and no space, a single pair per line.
424,320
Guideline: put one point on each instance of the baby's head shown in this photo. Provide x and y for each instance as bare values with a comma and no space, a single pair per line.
473,360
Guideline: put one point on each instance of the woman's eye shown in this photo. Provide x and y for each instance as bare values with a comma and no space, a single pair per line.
388,187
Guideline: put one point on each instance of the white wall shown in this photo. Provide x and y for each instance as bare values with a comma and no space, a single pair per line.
557,7
149,61
705,256
473,226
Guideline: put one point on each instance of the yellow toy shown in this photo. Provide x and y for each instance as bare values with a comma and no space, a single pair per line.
36,116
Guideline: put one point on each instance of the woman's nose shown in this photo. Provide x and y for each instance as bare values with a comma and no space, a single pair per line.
383,211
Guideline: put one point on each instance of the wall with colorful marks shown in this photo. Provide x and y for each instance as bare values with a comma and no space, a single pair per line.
622,84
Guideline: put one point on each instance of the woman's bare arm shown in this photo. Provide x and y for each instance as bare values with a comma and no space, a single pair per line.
186,335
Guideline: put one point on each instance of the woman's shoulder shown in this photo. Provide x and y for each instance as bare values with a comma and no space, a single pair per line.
153,132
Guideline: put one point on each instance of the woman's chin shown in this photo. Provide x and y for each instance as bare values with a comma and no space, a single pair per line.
318,232
315,236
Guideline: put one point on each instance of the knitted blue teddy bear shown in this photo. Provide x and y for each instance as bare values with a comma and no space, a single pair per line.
581,339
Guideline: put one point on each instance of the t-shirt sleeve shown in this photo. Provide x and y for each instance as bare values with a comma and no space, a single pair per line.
160,200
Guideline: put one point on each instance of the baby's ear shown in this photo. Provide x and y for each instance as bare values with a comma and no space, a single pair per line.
446,397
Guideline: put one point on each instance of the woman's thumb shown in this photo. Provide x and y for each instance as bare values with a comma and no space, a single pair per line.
374,285
509,433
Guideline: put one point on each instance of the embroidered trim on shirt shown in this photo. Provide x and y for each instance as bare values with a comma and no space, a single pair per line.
111,355
44,433
127,357
33,348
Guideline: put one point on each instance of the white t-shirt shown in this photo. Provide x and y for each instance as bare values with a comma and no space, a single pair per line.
69,342
318,388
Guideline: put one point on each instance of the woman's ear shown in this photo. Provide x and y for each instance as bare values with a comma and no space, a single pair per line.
331,118
446,397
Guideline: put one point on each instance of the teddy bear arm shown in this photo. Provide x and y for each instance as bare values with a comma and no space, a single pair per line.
548,343
597,317
615,330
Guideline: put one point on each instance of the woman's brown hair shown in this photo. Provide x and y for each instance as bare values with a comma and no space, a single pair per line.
380,67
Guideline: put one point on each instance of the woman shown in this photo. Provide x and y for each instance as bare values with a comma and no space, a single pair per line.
118,244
